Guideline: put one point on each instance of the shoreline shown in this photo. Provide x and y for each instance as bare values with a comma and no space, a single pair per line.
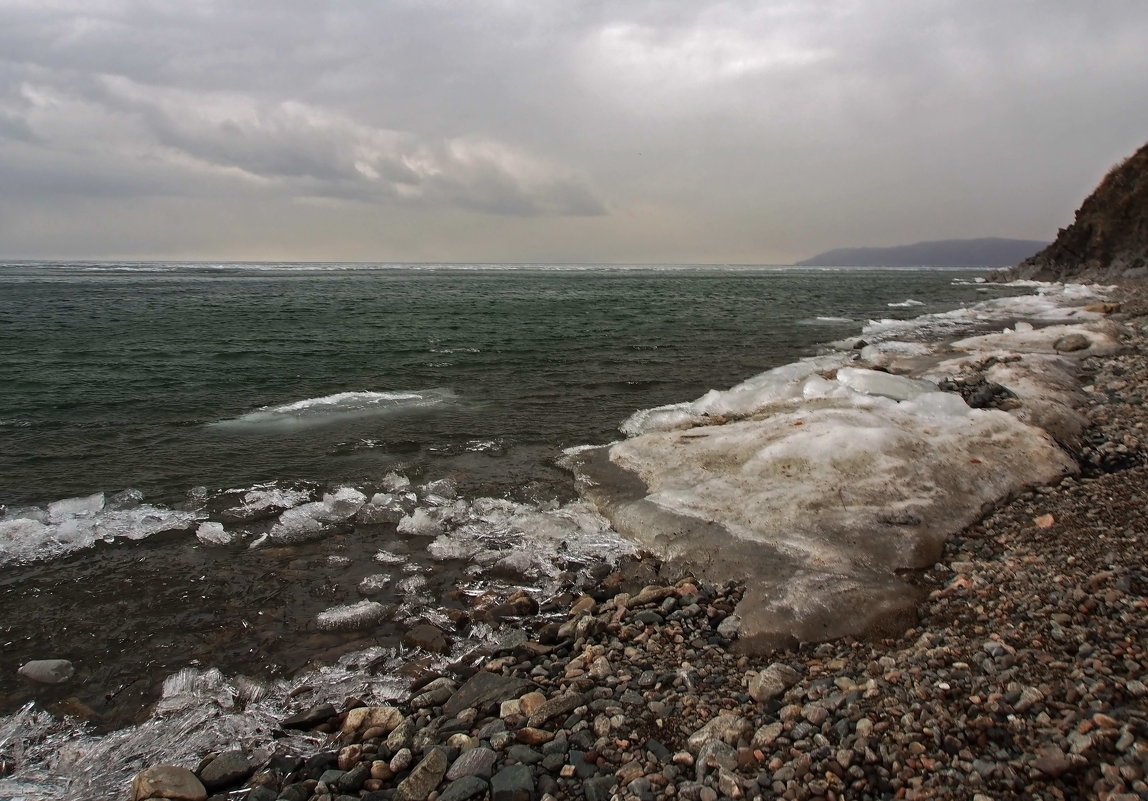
836,683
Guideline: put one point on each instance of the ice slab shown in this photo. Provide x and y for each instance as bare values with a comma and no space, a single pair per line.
351,617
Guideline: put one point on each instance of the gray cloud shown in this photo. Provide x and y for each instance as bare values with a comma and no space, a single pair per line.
634,131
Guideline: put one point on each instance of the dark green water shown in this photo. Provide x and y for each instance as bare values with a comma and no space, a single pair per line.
140,376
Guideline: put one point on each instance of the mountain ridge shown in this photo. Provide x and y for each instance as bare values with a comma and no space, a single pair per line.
980,252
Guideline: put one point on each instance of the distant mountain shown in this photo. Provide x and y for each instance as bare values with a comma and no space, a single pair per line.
990,252
1109,237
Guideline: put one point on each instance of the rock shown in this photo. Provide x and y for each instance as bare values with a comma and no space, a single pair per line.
767,735
475,762
369,717
424,778
599,788
772,682
484,689
168,781
727,727
1071,343
463,789
230,767
513,783
315,716
427,637
729,627
554,707
47,671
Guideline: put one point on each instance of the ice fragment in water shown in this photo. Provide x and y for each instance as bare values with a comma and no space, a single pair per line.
349,617
384,507
374,584
393,482
388,558
336,560
445,547
75,507
439,493
212,534
874,382
420,523
298,524
342,504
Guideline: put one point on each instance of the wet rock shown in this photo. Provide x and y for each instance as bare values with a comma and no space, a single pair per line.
309,719
427,637
168,781
230,767
47,671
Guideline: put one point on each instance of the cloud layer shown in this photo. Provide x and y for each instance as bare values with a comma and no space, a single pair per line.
543,130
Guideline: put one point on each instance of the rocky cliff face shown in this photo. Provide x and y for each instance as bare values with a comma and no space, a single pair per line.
1109,238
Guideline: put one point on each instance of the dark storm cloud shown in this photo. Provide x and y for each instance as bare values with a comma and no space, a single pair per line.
673,130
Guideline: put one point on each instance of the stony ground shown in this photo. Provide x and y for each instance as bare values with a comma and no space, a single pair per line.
1025,677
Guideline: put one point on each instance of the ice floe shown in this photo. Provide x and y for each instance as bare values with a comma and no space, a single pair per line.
341,405
817,481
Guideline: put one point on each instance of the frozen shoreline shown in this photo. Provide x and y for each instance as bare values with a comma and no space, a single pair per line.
818,482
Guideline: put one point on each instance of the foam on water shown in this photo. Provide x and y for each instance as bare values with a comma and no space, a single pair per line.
341,405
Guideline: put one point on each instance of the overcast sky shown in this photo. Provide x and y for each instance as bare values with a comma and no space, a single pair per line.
547,130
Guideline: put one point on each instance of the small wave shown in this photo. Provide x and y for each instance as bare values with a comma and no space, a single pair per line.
826,321
905,304
340,405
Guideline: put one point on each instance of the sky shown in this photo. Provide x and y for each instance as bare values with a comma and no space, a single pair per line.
672,131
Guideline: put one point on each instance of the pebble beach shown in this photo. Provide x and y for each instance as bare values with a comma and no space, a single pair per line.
1024,676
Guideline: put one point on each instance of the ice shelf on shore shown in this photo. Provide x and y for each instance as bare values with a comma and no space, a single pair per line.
817,481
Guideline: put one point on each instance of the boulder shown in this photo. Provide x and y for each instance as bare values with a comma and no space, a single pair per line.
168,781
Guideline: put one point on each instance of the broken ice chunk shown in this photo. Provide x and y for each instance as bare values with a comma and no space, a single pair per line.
212,534
342,504
420,523
349,617
886,385
374,584
59,511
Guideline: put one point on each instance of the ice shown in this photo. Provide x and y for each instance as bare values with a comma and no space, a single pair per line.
440,492
76,523
420,523
388,558
299,524
265,498
905,304
747,398
383,507
342,504
444,547
374,584
874,382
351,617
213,534
340,405
393,482
60,511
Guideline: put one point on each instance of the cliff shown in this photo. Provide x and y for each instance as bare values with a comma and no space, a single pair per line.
1109,238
